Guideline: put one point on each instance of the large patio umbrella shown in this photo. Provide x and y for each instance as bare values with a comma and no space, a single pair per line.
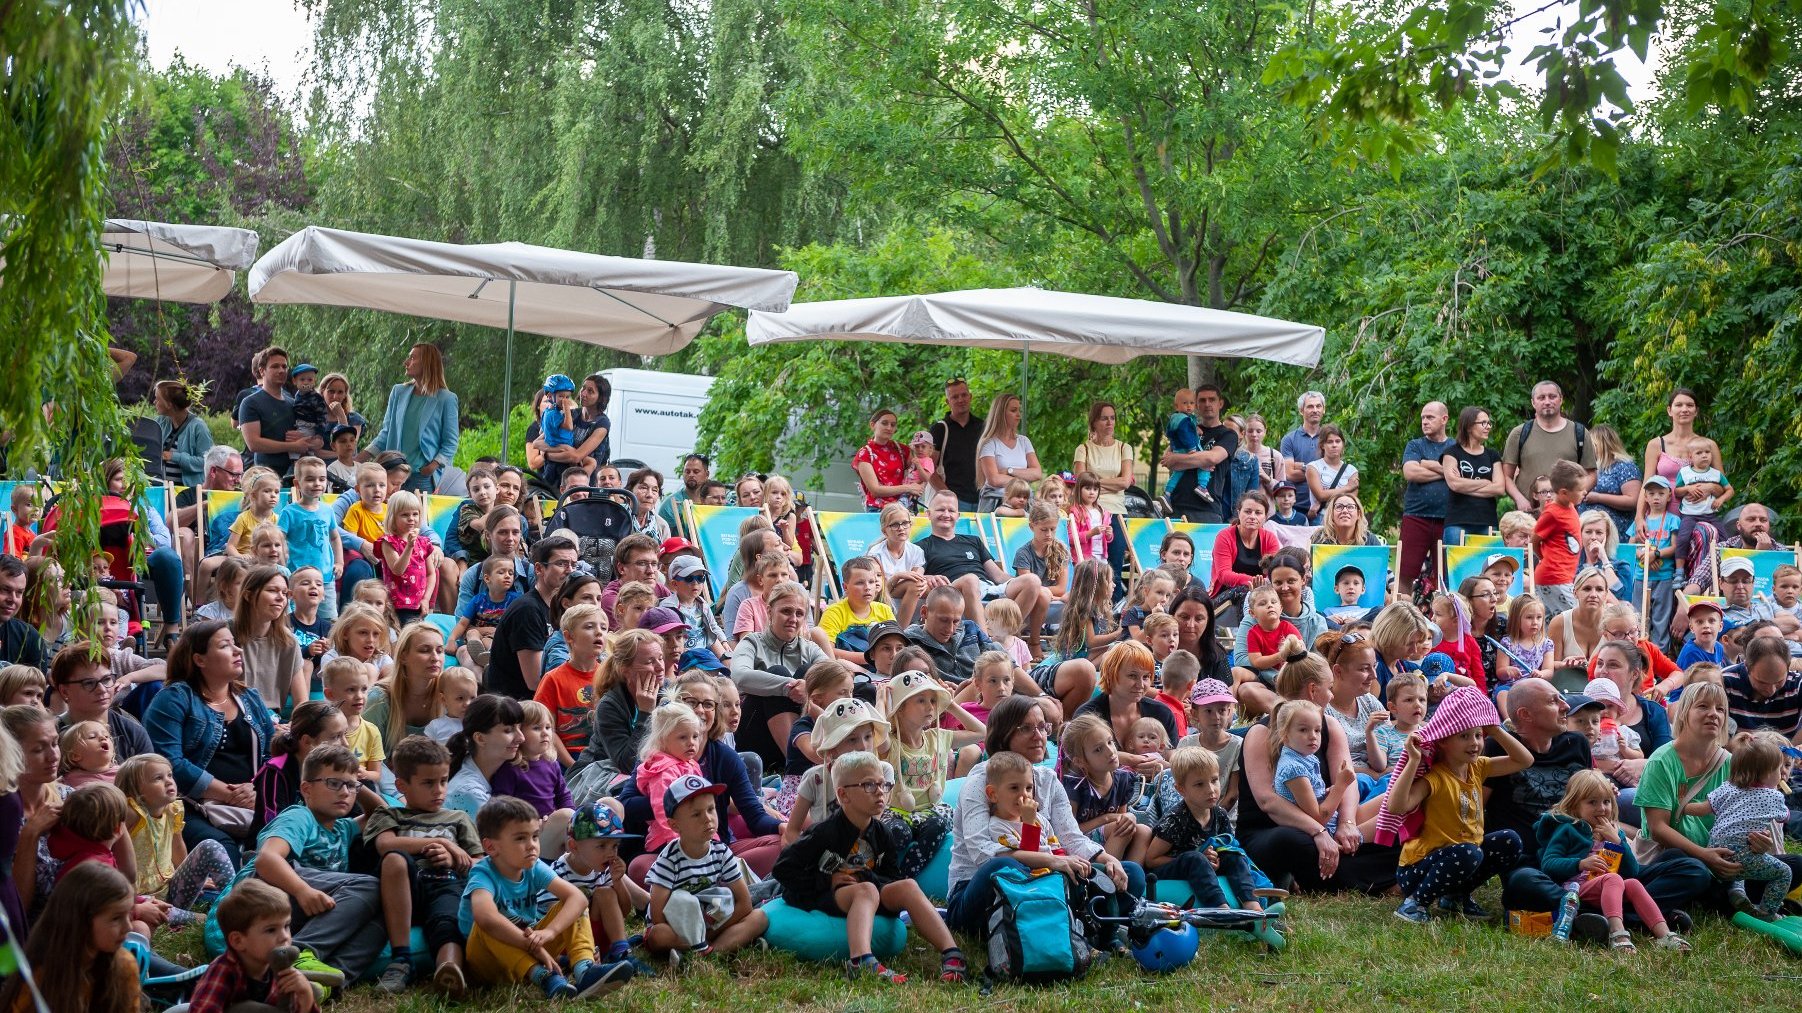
646,307
173,263
1096,328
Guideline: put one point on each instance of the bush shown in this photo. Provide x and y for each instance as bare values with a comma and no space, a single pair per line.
223,429
482,438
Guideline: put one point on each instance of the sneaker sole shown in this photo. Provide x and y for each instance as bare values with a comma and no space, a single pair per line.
615,979
330,979
449,978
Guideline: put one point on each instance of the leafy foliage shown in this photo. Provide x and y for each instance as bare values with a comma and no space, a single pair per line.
63,67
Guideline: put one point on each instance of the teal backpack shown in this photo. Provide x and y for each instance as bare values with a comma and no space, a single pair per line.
1035,936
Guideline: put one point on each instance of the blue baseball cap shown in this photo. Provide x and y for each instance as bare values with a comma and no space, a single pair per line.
305,367
701,658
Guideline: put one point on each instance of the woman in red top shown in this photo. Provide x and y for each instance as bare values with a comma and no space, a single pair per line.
1239,549
881,464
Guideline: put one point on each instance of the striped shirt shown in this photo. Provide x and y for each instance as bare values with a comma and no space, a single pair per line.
1780,711
675,870
587,882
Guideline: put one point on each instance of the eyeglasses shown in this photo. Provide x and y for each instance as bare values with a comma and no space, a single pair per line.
560,564
899,525
337,783
1041,728
699,705
90,685
874,787
1483,594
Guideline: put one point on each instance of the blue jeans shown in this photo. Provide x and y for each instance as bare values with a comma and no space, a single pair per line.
1192,868
968,908
166,578
355,571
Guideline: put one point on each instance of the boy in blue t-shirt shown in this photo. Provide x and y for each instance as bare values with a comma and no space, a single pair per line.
312,531
477,619
1703,643
1185,438
507,939
305,853
558,423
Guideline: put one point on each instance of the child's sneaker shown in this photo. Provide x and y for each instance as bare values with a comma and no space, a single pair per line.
600,979
1411,911
318,971
1467,907
858,967
395,977
556,986
449,978
1738,901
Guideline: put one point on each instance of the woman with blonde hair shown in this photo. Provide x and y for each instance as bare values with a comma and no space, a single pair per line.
433,431
1003,452
412,680
626,689
1401,636
1616,490
1342,522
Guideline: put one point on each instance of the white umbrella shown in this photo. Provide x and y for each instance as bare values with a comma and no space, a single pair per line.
1097,328
173,263
646,307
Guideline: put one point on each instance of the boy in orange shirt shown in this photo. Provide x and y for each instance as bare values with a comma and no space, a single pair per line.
567,691
1555,539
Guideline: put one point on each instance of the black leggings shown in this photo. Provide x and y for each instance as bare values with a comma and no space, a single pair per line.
1289,856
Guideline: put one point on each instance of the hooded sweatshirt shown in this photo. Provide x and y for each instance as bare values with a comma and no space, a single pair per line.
1565,842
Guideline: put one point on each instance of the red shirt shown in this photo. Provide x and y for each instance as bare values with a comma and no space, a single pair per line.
1259,640
1178,709
1469,658
888,461
1557,531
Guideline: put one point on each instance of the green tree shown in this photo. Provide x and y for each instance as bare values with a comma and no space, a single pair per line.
642,128
63,68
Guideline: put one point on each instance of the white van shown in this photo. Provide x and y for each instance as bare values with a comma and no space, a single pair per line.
656,416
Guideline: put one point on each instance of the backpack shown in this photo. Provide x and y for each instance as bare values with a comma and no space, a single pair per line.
1034,934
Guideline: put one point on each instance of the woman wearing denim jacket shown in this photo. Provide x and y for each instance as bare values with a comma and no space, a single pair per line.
214,730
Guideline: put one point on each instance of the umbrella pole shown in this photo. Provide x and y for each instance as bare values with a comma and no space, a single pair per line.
1025,372
507,381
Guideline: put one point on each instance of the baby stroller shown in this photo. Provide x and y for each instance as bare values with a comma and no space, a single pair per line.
599,521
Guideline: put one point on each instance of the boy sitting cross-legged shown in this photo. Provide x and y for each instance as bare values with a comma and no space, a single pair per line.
305,853
699,901
254,920
426,853
507,939
845,865
592,864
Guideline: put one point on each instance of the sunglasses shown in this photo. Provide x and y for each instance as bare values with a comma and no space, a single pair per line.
694,578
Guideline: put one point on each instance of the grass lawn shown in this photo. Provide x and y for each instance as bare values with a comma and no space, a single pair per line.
1346,953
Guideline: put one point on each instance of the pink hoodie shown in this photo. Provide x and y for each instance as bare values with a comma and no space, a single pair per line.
655,774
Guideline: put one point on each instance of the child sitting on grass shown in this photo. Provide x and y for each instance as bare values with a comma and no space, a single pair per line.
346,683
699,901
536,777
846,865
426,853
1181,845
848,726
923,754
167,869
1581,841
507,939
1101,794
305,853
77,949
1443,777
591,862
254,920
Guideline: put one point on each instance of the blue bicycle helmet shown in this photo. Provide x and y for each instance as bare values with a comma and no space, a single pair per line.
557,382
1168,949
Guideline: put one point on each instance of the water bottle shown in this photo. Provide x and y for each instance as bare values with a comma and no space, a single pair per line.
1567,916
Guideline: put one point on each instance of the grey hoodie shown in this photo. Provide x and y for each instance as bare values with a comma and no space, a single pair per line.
757,653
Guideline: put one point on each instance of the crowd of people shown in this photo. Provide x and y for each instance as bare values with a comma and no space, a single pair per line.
367,751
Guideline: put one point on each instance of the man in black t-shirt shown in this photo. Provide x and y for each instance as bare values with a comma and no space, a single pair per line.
516,657
266,418
955,436
19,643
1218,445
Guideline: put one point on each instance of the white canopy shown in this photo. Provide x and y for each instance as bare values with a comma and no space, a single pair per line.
1097,328
647,307
174,263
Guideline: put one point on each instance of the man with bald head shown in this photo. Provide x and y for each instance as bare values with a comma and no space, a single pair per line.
1424,501
1536,713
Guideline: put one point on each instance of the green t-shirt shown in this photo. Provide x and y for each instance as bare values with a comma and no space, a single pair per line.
1662,785
409,431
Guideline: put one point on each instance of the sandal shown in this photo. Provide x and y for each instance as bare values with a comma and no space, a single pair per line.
953,970
1672,941
1622,942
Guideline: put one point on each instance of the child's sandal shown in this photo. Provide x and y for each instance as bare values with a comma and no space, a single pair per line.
855,968
1672,941
1622,942
954,971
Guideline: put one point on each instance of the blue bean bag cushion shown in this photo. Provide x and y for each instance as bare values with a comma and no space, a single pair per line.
934,879
815,935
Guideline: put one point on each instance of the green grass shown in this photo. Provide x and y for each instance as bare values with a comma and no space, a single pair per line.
1345,953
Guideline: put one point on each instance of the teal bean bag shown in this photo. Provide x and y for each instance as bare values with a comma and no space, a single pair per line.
934,880
815,935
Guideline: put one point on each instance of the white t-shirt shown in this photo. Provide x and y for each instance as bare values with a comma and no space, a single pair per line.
1326,473
1687,475
1005,458
912,558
